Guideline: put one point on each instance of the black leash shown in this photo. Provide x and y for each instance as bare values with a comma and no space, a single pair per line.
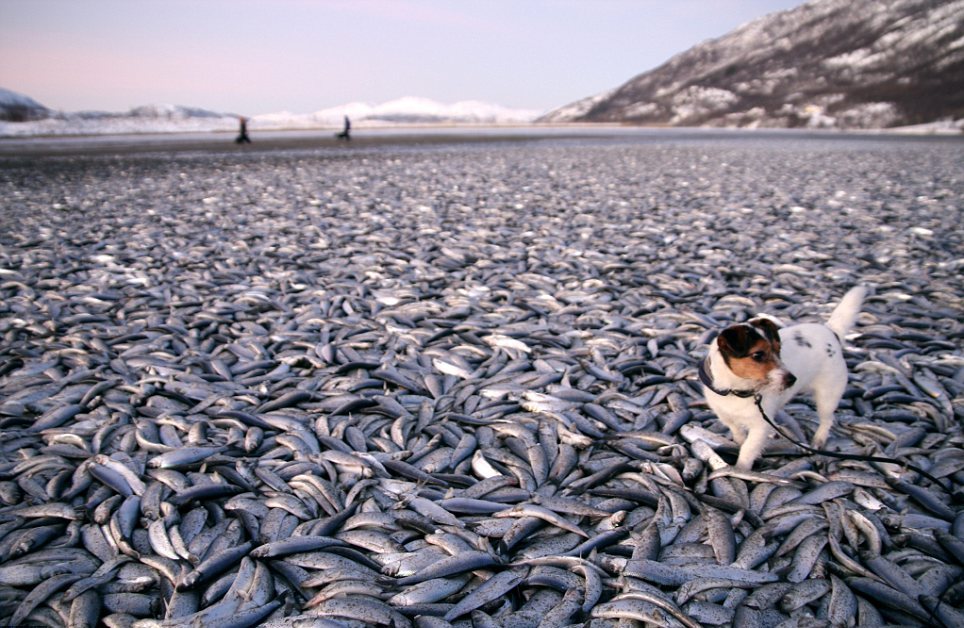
758,400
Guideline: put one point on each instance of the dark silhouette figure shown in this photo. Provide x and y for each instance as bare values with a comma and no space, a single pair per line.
346,132
243,132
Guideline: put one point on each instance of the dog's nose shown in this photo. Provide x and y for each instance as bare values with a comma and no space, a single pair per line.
789,380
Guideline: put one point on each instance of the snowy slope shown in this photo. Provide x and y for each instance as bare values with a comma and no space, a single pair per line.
174,118
827,63
408,110
16,107
576,110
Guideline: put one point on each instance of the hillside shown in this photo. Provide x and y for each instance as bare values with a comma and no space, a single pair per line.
16,107
827,63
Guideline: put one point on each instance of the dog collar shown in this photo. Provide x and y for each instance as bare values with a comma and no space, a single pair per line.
707,380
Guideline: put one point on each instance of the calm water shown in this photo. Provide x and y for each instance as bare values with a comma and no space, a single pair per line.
418,138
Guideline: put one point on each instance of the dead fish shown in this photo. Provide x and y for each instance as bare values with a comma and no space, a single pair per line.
382,394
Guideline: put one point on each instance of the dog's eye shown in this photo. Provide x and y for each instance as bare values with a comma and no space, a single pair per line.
759,356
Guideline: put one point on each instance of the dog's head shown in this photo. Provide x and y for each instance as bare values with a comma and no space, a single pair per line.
751,351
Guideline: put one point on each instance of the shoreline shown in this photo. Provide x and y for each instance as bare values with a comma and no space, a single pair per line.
224,144
16,148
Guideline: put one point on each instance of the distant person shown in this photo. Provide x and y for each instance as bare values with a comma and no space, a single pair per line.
346,132
243,132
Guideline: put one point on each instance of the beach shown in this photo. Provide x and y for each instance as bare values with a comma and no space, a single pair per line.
304,378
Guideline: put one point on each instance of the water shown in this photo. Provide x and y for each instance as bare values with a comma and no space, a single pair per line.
425,137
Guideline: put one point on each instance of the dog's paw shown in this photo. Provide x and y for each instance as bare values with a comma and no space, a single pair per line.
819,438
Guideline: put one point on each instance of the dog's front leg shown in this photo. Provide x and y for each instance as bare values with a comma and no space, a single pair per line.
737,428
752,447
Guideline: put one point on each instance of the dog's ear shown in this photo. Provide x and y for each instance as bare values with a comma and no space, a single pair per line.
735,341
769,329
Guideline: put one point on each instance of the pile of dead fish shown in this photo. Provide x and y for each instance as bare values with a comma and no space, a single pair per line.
456,386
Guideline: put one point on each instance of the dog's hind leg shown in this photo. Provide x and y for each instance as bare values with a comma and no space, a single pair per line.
827,396
825,413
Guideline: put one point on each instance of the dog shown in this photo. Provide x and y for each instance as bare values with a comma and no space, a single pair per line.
759,362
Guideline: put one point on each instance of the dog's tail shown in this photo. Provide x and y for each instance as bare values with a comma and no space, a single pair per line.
844,316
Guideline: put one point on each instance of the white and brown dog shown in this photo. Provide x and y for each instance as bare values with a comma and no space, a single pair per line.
759,359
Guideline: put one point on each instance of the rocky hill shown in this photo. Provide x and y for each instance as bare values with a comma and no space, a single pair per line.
827,63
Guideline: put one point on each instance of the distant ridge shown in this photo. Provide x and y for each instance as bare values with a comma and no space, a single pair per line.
23,116
825,64
16,107
407,110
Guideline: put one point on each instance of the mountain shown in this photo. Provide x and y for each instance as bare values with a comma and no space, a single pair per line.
21,118
145,119
16,107
171,112
827,63
408,110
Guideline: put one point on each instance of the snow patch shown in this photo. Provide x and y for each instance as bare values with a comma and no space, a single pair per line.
576,109
641,110
869,116
851,60
696,101
939,127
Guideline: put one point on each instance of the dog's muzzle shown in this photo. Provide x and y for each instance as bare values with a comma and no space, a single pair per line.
789,379
780,379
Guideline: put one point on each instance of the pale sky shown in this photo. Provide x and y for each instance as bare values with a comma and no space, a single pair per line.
265,56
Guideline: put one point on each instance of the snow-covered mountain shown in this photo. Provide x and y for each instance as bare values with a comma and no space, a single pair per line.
145,119
175,118
16,107
827,63
408,110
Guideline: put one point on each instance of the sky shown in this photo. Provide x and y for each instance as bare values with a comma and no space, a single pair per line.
265,56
